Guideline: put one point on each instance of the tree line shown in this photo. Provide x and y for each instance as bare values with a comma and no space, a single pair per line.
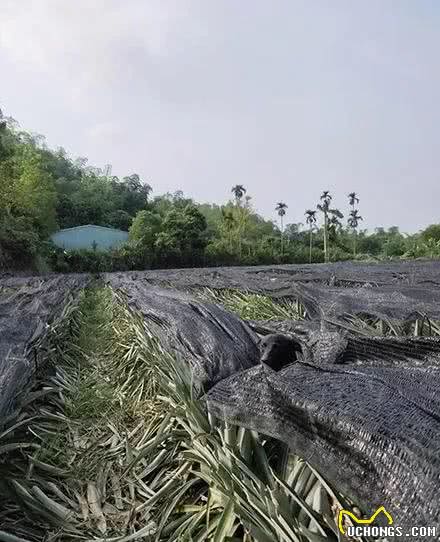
42,190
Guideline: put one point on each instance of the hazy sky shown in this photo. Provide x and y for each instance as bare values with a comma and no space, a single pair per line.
286,97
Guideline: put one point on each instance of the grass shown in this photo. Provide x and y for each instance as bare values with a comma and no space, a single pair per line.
118,448
250,306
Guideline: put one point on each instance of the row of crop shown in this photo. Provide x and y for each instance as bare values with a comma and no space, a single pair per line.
116,447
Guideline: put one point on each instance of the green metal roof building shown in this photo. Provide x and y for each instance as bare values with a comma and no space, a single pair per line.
89,236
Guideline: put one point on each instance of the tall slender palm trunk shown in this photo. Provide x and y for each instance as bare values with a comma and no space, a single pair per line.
326,255
311,243
354,234
354,242
282,236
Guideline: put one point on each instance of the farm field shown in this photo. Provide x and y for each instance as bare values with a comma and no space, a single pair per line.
133,406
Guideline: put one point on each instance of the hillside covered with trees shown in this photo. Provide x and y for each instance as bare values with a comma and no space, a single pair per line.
43,190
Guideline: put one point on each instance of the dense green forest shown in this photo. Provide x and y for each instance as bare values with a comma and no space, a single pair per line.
42,190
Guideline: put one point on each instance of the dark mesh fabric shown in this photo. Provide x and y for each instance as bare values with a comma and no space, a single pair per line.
216,343
392,351
363,410
396,291
27,306
278,280
392,302
374,433
334,346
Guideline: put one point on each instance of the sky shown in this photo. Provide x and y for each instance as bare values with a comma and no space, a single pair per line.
287,97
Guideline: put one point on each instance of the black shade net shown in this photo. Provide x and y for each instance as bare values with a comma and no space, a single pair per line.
363,410
27,307
373,432
213,341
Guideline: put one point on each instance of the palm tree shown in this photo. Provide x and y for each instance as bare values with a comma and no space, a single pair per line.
239,191
326,196
311,221
324,207
354,218
353,199
281,209
353,222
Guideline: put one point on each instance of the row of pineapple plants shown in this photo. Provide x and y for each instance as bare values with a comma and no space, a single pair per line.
116,447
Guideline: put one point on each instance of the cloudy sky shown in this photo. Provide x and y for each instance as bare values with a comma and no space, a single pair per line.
288,97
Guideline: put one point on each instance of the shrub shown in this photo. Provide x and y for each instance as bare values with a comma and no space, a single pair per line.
431,232
19,243
81,261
